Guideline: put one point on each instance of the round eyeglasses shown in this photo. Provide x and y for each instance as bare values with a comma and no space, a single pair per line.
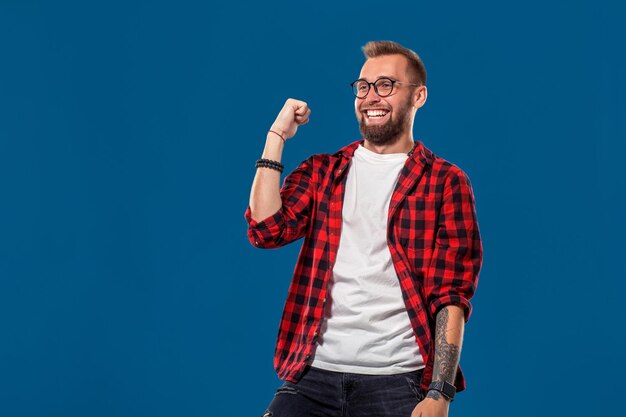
382,86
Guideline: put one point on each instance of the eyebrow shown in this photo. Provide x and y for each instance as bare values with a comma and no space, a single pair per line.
379,77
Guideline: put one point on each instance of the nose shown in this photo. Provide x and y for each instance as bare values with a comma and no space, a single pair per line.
372,92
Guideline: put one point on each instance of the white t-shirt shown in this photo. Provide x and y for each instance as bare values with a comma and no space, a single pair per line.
366,327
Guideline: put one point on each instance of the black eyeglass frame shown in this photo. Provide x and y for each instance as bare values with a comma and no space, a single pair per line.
370,85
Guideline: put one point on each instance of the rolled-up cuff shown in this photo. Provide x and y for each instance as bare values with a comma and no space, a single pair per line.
264,233
451,299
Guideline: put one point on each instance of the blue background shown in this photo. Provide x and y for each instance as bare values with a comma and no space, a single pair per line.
128,135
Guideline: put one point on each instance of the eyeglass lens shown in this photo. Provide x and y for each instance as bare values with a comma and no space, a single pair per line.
382,86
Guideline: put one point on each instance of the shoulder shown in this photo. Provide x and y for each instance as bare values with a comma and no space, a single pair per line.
325,161
442,168
444,174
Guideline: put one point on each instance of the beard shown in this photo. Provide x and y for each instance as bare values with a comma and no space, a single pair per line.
391,131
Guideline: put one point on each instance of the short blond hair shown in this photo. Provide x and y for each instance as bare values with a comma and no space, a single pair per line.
374,49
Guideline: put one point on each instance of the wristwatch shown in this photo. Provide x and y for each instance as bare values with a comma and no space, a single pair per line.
446,389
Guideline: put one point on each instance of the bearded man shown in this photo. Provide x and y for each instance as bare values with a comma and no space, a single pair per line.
374,319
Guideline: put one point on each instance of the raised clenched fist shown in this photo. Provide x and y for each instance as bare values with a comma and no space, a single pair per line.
293,114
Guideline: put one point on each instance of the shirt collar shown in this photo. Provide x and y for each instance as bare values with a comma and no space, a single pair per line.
420,152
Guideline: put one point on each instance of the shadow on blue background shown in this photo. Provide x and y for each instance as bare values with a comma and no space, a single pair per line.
128,135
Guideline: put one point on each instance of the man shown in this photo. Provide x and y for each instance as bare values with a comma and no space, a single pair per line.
374,320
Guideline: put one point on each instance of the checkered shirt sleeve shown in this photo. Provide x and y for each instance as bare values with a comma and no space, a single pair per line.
452,274
291,221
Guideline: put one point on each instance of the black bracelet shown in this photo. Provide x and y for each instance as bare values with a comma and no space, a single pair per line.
268,163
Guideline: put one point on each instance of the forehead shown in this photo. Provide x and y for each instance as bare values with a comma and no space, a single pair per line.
394,66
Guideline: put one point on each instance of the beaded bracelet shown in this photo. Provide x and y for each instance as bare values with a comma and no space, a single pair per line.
265,165
268,163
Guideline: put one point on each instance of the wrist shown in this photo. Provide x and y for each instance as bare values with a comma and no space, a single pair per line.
277,131
441,389
437,397
276,135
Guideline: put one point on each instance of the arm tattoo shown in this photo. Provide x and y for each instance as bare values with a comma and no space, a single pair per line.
435,395
446,354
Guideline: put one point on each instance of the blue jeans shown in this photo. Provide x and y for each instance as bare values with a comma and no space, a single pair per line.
322,393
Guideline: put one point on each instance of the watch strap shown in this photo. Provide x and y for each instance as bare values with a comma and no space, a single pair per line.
446,389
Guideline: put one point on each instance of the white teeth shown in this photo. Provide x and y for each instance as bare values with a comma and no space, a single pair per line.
376,113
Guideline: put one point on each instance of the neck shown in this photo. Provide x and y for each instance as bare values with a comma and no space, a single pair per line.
403,145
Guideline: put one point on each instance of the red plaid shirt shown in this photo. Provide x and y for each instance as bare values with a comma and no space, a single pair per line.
432,234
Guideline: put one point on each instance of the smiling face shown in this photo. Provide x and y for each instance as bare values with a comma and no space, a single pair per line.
384,120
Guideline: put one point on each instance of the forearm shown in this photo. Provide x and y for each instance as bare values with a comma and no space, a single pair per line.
265,194
450,324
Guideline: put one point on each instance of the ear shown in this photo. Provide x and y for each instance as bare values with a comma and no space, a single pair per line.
419,96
